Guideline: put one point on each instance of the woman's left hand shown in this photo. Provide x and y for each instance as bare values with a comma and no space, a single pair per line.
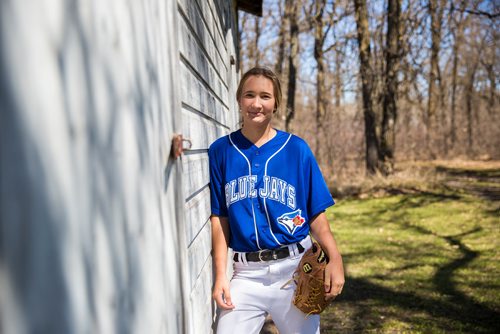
334,279
334,272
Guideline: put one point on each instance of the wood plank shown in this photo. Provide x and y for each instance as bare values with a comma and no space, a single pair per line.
217,21
202,132
199,254
201,19
193,54
199,49
202,308
197,214
196,95
196,166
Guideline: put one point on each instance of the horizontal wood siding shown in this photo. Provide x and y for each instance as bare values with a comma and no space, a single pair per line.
195,208
199,97
206,80
201,307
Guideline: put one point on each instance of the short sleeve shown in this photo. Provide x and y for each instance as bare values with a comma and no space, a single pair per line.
319,197
217,193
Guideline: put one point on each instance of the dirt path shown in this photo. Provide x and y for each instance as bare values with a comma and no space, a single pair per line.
483,182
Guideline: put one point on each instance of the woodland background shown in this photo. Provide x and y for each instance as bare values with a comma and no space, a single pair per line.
399,100
370,84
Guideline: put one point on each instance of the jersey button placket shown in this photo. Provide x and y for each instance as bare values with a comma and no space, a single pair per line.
256,171
256,163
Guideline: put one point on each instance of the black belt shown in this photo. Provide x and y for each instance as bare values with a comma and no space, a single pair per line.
268,254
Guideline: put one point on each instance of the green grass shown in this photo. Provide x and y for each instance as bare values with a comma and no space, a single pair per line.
420,262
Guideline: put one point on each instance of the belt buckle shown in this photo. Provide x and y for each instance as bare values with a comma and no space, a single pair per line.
260,255
274,254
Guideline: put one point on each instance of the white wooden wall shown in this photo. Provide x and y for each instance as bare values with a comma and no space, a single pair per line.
208,81
100,232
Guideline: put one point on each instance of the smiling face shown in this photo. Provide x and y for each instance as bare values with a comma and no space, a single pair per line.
257,101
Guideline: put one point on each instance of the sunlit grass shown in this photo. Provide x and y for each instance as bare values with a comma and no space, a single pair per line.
425,262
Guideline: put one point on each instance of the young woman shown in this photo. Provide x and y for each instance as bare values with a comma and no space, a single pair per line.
267,195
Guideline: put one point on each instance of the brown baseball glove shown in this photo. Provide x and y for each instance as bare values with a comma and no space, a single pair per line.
310,279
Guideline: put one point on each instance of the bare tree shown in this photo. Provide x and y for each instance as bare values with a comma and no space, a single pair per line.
372,145
255,48
291,7
388,135
282,39
337,80
434,89
469,95
319,40
491,65
457,32
241,38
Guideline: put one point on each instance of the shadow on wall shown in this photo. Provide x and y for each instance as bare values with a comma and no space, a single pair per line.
31,273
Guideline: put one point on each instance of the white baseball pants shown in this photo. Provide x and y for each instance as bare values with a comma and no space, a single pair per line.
257,289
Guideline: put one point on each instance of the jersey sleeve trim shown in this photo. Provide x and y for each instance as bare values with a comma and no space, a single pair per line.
218,213
322,207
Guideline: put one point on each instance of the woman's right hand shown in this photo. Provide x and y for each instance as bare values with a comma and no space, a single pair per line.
221,294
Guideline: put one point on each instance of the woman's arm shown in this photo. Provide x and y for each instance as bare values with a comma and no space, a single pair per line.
334,273
220,243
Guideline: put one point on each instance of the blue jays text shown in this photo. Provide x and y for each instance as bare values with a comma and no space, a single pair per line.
273,188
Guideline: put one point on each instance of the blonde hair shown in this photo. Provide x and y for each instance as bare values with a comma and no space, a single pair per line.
256,71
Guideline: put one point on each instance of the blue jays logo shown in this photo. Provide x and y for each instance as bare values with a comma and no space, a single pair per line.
292,220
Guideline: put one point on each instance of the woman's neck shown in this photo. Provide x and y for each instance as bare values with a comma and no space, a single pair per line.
258,136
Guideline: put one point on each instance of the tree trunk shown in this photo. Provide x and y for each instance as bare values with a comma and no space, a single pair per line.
294,51
457,36
388,135
490,71
338,80
278,67
457,42
372,147
320,74
256,43
434,77
320,104
253,49
241,28
469,94
454,73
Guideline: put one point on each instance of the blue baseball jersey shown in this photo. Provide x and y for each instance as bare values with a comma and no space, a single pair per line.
269,193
